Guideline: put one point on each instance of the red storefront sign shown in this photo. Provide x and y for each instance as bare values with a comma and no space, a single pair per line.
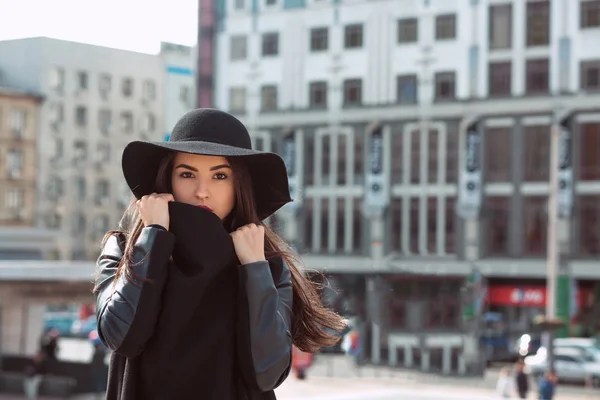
525,296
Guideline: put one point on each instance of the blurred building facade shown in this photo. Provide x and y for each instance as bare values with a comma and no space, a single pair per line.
97,100
368,104
19,236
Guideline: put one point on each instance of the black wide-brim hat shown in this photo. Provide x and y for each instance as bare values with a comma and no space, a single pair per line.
210,132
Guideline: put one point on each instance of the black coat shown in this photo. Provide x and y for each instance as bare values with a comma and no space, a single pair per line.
193,323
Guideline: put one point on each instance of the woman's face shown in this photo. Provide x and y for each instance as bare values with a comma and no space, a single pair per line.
204,181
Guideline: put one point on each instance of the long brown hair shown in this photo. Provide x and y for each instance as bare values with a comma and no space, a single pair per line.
314,325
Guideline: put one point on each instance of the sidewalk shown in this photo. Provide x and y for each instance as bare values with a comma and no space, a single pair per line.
339,368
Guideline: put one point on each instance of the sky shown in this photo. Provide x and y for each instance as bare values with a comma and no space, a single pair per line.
137,25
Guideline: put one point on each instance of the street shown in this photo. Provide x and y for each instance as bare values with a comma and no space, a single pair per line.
332,377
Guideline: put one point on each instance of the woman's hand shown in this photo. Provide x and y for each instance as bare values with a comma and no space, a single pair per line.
249,243
154,209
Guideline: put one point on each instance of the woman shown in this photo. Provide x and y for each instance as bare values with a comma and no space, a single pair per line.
196,297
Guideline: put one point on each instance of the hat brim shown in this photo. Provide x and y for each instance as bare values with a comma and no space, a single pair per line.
141,160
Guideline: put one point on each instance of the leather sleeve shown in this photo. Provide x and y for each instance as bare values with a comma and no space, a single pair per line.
127,309
265,323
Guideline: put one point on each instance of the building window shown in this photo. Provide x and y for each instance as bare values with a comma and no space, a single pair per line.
238,48
239,4
450,226
318,95
406,89
57,113
415,156
589,225
359,157
185,95
14,163
398,159
103,152
270,2
18,119
268,98
104,84
589,143
414,225
309,160
100,226
270,44
104,120
82,80
80,188
237,99
308,213
535,225
15,200
497,152
127,121
80,153
445,27
536,153
495,218
57,79
342,160
445,84
396,224
79,224
590,14
102,192
357,228
319,39
538,23
353,36
408,30
55,188
452,156
127,87
432,159
325,158
149,90
81,116
148,123
500,30
500,79
590,75
352,92
537,76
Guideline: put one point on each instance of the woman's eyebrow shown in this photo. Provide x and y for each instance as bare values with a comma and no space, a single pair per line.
216,167
186,167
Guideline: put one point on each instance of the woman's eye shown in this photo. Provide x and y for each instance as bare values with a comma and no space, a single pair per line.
220,176
186,175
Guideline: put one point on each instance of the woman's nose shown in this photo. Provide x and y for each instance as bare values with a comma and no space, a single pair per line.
202,190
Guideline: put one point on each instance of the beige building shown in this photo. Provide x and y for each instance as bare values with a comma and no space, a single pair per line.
18,170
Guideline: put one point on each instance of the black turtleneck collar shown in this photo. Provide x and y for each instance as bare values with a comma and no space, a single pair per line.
201,240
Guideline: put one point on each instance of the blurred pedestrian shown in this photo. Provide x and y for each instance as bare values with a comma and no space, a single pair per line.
34,374
195,295
49,345
99,370
352,346
301,362
505,387
547,386
522,380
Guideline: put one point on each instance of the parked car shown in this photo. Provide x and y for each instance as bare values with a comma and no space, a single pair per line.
62,322
83,328
569,363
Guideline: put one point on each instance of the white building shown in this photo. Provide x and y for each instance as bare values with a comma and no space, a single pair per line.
375,98
96,100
